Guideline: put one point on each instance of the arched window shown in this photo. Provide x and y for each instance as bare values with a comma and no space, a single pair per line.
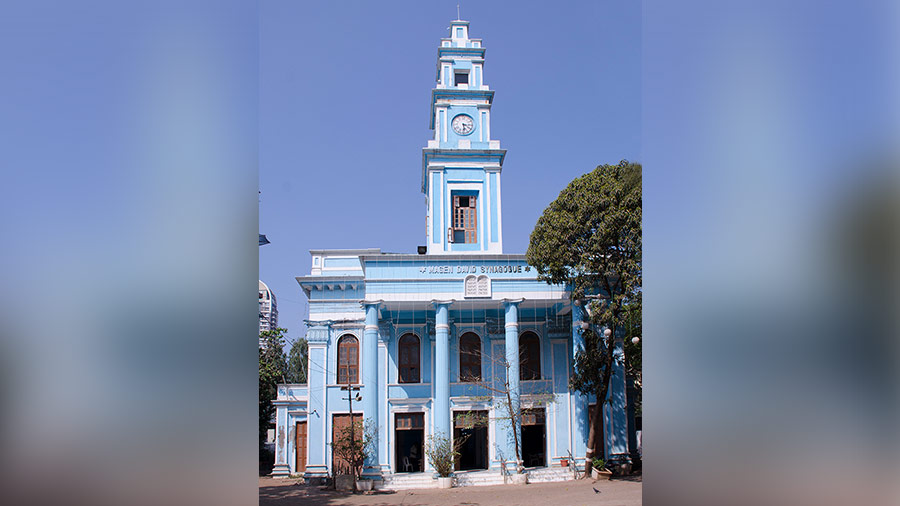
409,359
529,356
348,360
469,357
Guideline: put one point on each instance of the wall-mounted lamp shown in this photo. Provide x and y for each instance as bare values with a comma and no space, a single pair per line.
607,333
635,340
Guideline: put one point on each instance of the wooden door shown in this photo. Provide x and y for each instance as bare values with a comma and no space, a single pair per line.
300,446
338,424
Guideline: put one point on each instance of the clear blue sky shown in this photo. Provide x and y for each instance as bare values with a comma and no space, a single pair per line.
344,115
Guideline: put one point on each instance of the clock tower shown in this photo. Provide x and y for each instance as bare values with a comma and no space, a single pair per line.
461,165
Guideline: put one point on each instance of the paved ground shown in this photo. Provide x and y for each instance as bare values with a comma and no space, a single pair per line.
624,492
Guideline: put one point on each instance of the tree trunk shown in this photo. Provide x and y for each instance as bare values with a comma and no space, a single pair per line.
593,437
596,427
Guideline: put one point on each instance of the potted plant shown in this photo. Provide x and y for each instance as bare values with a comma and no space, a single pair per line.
442,452
564,462
599,470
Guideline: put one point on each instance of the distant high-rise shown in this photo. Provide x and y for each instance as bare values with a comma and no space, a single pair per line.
268,309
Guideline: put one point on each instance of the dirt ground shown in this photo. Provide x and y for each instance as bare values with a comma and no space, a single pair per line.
619,492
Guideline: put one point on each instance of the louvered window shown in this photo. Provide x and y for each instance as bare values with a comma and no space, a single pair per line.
409,359
348,360
469,357
409,421
465,219
529,356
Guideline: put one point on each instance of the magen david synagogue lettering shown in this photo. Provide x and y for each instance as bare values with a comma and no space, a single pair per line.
426,336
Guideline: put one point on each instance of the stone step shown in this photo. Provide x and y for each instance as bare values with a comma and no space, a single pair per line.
549,475
404,482
410,486
478,479
472,479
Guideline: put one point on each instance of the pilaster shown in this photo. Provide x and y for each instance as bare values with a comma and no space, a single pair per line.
442,367
281,468
511,327
371,468
617,422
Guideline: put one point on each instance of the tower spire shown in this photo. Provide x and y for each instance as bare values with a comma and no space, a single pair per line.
457,12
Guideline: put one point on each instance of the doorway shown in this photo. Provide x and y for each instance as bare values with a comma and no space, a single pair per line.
409,441
300,447
534,437
472,426
339,424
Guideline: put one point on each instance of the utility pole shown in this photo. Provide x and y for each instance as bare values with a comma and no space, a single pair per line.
350,398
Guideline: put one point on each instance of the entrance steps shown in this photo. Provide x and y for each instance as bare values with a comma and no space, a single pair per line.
477,478
549,474
405,481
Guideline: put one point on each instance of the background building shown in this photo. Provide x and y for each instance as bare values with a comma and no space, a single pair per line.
268,308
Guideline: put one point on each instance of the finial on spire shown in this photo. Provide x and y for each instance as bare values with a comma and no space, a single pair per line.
457,12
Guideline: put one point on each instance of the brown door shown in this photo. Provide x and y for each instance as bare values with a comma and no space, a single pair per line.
338,424
300,446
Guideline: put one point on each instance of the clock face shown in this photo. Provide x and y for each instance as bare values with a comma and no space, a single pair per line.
463,124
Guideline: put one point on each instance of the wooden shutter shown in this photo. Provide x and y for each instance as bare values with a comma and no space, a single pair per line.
338,424
348,360
409,359
469,357
300,446
529,357
533,417
410,421
465,217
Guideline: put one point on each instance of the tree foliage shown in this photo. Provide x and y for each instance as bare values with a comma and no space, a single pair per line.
296,362
589,239
633,352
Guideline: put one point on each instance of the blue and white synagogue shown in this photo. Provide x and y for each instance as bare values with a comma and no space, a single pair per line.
424,335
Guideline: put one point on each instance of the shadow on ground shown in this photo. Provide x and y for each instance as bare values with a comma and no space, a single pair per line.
624,491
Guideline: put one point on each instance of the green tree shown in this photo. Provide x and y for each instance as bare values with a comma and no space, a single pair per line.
272,369
633,352
296,362
589,239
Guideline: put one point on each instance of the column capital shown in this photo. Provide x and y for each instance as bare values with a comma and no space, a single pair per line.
442,302
376,303
513,301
